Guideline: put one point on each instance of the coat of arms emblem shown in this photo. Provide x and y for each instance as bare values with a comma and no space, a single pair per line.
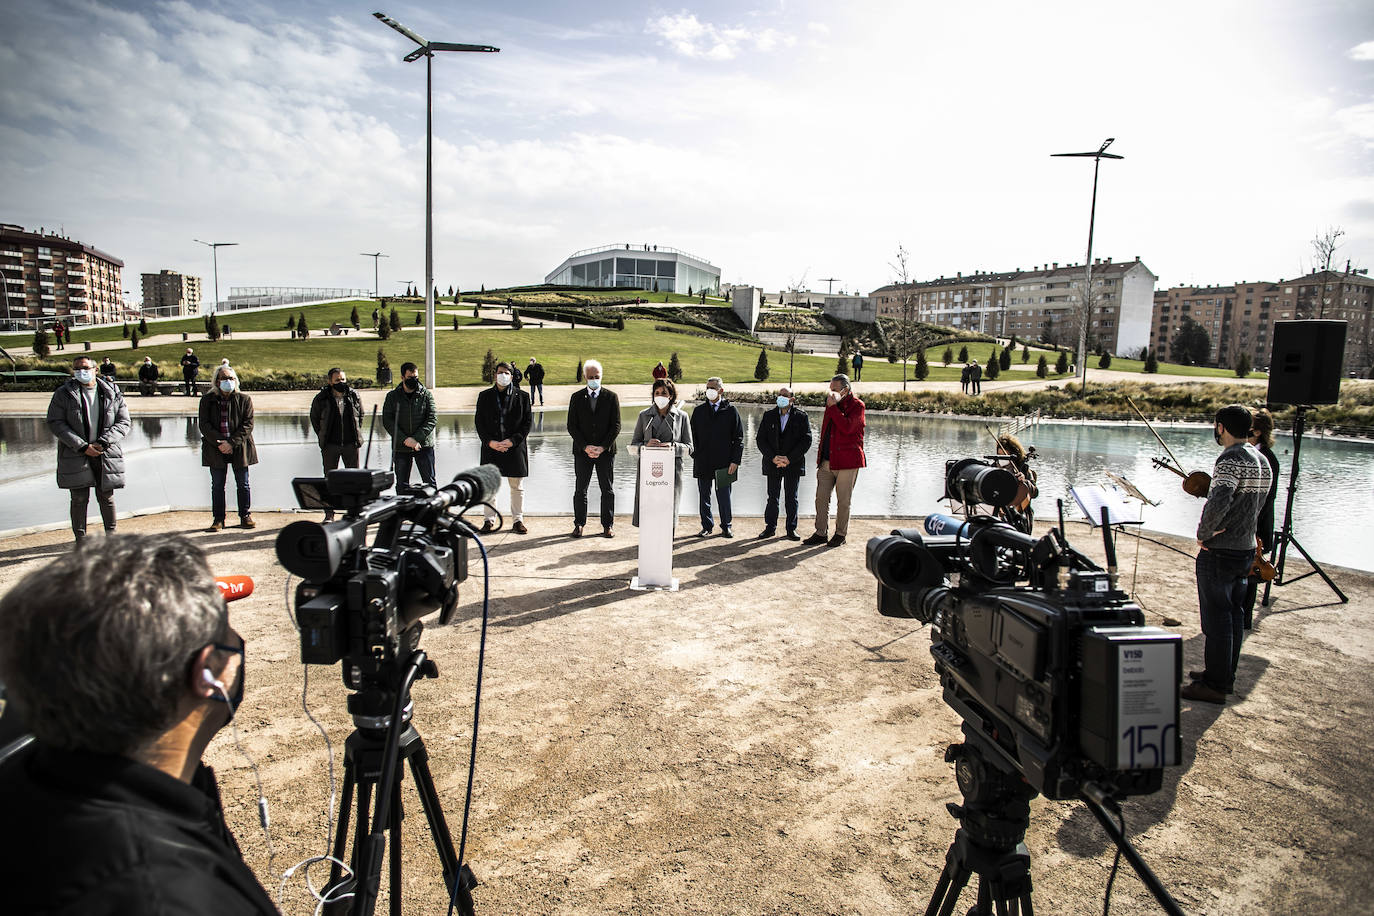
656,469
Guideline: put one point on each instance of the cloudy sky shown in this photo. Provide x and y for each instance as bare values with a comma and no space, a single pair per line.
786,142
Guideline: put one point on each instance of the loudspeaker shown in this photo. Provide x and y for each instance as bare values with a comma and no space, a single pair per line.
1307,360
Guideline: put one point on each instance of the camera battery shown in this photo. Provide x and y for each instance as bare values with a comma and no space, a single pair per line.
1128,715
322,642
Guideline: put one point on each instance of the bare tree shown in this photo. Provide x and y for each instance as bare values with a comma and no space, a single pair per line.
1323,249
906,336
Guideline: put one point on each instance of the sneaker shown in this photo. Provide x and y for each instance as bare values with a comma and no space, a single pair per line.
836,541
704,533
246,521
519,527
815,539
216,525
1199,691
767,533
488,527
726,533
793,536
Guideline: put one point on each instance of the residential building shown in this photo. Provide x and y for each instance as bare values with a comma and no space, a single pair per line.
49,276
646,267
1040,304
168,294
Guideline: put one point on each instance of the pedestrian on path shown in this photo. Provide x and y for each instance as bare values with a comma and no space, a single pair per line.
190,368
534,374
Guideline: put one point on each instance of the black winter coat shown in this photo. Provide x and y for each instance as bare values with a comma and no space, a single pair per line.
535,374
494,425
599,427
324,417
717,438
109,427
792,443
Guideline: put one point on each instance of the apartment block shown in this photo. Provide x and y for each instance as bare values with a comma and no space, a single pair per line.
167,294
1040,304
49,276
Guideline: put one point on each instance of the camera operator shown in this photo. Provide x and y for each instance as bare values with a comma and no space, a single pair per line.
1226,538
121,659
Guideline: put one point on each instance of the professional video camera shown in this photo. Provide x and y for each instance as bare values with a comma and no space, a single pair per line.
1062,688
363,605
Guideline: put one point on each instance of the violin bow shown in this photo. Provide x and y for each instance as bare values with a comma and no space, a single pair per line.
1162,443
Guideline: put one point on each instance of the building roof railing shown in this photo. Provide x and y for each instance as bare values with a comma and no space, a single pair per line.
631,247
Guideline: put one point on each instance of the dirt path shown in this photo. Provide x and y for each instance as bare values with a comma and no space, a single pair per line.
763,742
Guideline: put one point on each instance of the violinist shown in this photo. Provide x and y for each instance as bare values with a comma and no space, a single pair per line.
1019,514
1262,438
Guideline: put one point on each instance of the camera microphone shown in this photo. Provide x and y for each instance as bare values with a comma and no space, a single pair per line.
474,486
232,588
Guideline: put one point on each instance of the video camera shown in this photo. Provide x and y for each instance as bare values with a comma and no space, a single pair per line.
363,604
1049,664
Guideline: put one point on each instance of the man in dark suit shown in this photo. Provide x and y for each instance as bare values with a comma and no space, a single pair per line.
503,423
718,439
594,423
784,438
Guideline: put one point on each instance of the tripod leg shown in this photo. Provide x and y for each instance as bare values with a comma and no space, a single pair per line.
394,839
341,833
1319,571
454,871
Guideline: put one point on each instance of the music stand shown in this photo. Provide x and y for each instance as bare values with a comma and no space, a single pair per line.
1093,498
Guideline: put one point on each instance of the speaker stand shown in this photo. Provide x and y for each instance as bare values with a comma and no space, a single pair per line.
1286,535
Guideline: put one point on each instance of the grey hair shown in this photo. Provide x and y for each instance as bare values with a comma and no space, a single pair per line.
220,370
716,379
95,646
592,364
840,377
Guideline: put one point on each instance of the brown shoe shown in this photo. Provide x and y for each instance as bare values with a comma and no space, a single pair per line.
1201,692
216,525
519,528
246,521
488,527
608,533
577,531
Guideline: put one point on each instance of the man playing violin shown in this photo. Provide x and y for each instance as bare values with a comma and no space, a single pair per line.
1019,514
1226,541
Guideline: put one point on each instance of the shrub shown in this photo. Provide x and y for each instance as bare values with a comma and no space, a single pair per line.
842,365
620,323
1151,362
126,329
1025,353
301,327
675,368
395,319
515,322
455,322
993,369
1061,365
382,361
1104,361
133,340
419,319
489,368
211,327
761,367
1005,359
40,343
353,319
579,372
143,326
949,355
384,330
1042,368
1243,365
291,322
963,354
922,368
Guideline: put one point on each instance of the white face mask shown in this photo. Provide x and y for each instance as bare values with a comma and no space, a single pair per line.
84,376
784,402
226,385
712,393
503,379
593,383
661,402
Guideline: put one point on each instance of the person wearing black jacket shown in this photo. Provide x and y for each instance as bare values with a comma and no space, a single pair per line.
503,424
190,367
1262,438
118,813
784,438
593,423
534,374
336,413
718,441
147,376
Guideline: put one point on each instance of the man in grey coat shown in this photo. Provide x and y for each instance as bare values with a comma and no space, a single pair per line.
90,420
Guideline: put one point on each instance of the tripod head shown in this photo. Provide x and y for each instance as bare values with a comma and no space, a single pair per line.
996,809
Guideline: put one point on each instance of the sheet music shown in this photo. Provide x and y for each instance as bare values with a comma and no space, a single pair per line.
1093,498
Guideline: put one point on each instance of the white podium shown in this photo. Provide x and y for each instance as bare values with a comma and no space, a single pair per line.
657,512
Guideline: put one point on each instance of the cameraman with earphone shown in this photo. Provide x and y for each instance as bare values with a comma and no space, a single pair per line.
121,660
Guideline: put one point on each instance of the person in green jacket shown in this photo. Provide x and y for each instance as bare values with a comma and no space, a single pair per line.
409,419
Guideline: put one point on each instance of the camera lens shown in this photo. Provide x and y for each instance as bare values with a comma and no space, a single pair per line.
974,482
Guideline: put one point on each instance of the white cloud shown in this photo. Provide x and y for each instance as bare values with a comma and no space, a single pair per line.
1362,51
690,37
1358,121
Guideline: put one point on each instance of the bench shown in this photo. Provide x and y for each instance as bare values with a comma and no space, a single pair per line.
163,385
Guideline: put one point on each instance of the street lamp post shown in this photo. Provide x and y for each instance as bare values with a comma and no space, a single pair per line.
1097,156
426,50
214,257
376,288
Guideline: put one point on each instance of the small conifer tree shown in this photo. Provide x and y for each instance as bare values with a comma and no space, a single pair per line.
761,367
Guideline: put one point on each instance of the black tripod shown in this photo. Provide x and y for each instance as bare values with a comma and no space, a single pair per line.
372,757
1286,535
990,840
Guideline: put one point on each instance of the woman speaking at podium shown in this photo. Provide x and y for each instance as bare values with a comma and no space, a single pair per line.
663,423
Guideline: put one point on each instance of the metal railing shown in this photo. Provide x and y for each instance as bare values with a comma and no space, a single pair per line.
632,248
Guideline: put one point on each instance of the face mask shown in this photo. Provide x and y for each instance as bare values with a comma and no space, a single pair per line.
226,385
340,387
784,402
661,402
593,383
712,394
503,379
84,376
412,382
236,700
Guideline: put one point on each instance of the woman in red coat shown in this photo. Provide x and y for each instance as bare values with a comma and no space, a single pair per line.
839,458
659,371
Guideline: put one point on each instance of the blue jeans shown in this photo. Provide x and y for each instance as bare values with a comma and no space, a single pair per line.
218,477
537,388
1221,576
704,485
423,459
786,484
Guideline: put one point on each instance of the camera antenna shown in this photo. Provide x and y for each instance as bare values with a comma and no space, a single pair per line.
371,428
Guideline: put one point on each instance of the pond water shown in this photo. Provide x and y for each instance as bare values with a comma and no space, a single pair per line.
904,477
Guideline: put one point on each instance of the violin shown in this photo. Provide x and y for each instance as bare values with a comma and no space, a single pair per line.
1196,483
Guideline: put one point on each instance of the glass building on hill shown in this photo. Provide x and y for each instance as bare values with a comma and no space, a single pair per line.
637,267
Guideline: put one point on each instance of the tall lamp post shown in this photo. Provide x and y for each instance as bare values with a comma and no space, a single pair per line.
426,50
1097,156
214,256
376,289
